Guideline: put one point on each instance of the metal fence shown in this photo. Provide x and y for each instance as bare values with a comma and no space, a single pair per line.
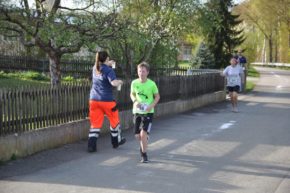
79,68
28,109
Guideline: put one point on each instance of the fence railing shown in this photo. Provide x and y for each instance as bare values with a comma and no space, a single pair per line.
28,109
79,68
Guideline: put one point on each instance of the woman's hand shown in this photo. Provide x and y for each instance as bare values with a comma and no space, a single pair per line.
116,83
111,63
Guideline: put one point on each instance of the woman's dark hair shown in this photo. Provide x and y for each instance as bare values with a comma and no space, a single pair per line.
101,58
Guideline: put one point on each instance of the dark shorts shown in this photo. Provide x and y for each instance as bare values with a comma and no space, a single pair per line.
233,88
143,122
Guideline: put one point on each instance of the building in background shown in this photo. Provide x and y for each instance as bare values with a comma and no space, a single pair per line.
185,51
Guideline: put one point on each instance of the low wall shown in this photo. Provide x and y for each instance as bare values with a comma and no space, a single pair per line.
20,145
270,64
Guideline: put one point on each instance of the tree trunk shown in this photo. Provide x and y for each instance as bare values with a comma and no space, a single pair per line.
129,61
148,53
270,42
263,53
54,67
276,45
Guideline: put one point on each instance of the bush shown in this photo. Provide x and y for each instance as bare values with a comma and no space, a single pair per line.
203,57
68,78
31,75
2,74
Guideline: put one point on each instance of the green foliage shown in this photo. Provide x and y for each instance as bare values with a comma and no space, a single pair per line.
184,64
218,26
203,57
252,72
164,55
14,80
13,157
71,79
267,29
2,75
29,75
250,86
60,30
68,78
152,34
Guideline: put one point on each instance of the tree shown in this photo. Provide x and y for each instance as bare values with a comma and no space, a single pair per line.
219,27
271,20
203,57
59,30
153,32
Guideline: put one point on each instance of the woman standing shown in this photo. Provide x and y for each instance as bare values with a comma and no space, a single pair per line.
102,102
234,75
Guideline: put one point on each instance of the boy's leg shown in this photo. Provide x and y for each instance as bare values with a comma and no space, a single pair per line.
96,119
137,123
146,128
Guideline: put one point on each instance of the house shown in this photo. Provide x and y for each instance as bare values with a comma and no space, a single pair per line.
185,51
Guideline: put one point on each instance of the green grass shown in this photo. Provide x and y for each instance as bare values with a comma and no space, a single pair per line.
30,78
252,72
250,86
16,82
184,64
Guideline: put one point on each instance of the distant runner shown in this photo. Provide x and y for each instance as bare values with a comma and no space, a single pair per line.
234,75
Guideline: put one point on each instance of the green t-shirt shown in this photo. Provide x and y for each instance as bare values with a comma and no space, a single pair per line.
144,93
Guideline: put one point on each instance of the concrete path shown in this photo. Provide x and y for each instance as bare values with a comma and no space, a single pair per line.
208,150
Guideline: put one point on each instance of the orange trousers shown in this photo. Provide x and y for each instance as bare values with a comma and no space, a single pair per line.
98,109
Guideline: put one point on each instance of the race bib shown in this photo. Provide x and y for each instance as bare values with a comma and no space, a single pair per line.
233,80
142,107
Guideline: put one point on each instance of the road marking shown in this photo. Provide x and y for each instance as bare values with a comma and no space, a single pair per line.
227,125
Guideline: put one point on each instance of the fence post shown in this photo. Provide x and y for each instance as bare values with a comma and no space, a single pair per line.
1,114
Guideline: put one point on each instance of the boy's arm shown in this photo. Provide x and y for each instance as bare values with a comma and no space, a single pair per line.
133,97
156,100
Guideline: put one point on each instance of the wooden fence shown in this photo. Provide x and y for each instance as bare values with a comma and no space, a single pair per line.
28,109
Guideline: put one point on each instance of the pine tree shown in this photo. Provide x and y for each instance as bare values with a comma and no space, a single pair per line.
218,25
203,57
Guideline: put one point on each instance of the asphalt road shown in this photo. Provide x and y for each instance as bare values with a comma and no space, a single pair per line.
208,150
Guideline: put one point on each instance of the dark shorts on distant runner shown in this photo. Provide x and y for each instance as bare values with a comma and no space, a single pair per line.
143,122
233,88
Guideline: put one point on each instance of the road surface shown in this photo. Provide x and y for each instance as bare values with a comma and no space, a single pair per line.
207,150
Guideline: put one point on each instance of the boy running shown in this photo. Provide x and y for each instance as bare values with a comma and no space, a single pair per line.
145,95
